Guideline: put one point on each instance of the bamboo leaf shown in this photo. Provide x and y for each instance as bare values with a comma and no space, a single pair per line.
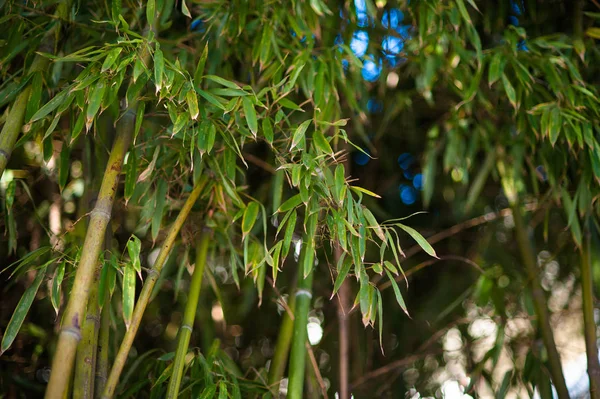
358,189
59,274
299,134
128,293
185,10
159,68
192,102
249,219
200,67
18,316
134,247
397,292
130,175
321,143
267,129
419,239
292,202
343,269
94,102
111,58
150,12
250,114
50,106
510,91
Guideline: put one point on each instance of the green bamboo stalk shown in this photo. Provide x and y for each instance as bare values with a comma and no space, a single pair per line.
85,361
103,343
15,119
298,350
282,347
142,302
70,333
185,331
587,294
539,302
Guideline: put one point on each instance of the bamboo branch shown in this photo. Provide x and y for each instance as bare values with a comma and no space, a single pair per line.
587,294
144,298
298,351
14,120
185,331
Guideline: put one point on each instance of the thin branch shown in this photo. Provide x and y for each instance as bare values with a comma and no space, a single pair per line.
315,367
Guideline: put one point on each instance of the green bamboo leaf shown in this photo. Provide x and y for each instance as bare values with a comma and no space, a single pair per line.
159,68
159,207
139,118
35,97
64,165
107,282
276,258
373,224
378,268
18,316
380,315
78,127
223,390
185,10
267,129
150,12
299,134
343,270
222,82
130,175
209,392
192,102
510,91
59,274
390,266
115,10
128,293
358,189
554,125
250,114
397,292
289,232
419,239
200,67
211,99
292,202
111,58
249,219
94,102
134,247
309,256
320,142
496,68
50,106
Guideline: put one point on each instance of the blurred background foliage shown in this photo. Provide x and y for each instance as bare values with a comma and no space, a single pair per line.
478,118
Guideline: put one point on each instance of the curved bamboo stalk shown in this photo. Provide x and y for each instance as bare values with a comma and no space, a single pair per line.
142,302
14,120
185,331
282,347
539,302
587,294
298,351
103,343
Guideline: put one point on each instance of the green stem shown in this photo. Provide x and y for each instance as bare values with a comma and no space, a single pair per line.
85,370
587,293
70,333
539,302
282,348
103,343
14,120
140,306
189,315
303,299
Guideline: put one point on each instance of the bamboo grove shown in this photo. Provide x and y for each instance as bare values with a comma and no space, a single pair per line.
188,137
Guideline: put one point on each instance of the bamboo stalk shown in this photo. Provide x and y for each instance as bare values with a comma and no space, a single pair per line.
539,302
587,294
298,350
142,302
282,347
85,370
14,120
185,331
70,333
103,344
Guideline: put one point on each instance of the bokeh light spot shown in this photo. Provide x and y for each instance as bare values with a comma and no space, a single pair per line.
408,194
